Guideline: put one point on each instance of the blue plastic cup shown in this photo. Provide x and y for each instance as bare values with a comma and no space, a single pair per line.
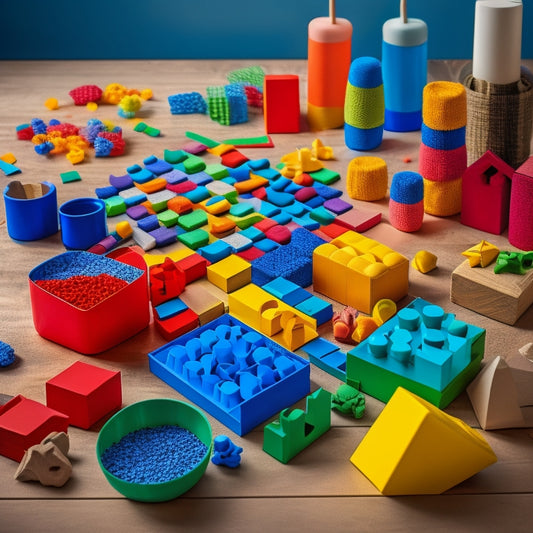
83,223
31,219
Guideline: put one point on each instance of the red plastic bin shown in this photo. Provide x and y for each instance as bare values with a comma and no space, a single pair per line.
106,324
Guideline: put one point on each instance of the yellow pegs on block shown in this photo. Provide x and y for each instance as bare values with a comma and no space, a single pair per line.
230,273
415,448
424,261
482,254
366,271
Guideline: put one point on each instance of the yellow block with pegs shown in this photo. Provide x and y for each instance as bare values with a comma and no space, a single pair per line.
415,448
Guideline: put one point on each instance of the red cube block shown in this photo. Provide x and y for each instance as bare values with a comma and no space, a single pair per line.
85,393
281,103
24,423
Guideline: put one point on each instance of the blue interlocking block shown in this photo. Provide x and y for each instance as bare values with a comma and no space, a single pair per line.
423,349
316,308
170,308
237,375
326,356
287,291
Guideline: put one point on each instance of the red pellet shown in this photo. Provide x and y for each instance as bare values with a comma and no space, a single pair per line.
83,292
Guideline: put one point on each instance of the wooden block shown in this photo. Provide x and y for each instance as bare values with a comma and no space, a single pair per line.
205,304
504,297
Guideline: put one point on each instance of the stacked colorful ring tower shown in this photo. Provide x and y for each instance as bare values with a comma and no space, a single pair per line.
443,157
364,105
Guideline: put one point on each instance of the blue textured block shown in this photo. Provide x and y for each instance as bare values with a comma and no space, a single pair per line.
315,202
326,191
233,379
407,187
187,103
292,261
443,139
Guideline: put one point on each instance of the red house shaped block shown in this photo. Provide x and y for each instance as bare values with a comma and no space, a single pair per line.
85,393
24,423
486,194
281,103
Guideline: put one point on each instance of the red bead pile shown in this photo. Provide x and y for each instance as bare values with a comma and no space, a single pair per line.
83,292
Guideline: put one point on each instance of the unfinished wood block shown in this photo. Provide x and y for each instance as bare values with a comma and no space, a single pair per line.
205,304
504,297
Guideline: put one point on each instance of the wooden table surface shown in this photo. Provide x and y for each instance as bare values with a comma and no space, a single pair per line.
319,489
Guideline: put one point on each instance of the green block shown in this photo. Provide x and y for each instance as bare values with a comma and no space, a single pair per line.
194,239
381,383
115,205
72,175
297,429
217,171
325,176
168,218
175,156
193,220
193,164
241,209
322,215
206,141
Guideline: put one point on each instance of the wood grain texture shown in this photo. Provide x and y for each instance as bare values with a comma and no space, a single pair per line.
319,489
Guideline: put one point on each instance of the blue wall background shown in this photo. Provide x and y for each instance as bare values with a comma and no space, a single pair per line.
215,29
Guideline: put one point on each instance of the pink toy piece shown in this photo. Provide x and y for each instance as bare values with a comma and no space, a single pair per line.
85,393
304,194
280,234
24,423
486,191
359,220
406,217
521,207
442,165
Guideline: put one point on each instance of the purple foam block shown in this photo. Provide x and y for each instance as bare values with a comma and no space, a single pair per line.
121,182
163,236
337,205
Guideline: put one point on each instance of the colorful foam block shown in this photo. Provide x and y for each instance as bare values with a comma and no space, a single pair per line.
421,348
85,393
365,271
415,448
237,375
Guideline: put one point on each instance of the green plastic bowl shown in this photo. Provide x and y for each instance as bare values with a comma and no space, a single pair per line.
150,413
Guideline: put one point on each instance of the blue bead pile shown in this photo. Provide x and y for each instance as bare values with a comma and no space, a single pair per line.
154,454
70,264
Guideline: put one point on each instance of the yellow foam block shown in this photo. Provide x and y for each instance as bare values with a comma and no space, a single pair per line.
415,448
267,314
230,273
216,208
365,271
175,255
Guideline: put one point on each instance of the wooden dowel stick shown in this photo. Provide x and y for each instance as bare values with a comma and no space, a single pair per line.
332,16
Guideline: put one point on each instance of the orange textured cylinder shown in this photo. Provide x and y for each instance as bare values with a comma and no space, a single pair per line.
328,64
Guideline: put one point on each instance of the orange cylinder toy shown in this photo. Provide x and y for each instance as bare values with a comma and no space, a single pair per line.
328,63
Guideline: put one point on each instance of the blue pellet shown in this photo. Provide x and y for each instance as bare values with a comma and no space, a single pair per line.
154,454
7,354
70,264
